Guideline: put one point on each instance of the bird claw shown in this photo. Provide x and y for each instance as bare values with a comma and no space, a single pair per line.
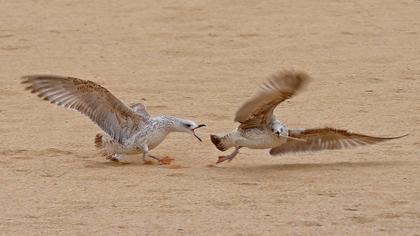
166,160
222,159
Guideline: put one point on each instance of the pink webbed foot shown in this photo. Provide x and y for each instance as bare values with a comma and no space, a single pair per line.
166,160
222,159
228,157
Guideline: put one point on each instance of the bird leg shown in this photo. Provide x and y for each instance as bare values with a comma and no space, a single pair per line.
228,157
162,161
165,161
147,162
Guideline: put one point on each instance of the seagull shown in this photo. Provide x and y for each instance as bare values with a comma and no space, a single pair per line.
127,129
259,128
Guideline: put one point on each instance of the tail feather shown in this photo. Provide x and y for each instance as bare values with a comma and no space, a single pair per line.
98,141
218,142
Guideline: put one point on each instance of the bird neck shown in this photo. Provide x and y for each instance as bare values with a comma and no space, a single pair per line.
170,123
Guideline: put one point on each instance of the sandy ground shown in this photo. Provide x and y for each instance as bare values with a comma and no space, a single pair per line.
201,60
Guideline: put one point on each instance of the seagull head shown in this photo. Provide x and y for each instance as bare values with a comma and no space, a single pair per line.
188,126
279,129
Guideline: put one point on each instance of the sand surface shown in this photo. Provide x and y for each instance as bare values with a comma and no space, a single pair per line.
201,60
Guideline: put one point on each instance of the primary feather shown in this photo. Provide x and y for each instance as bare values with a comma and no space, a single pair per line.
325,139
258,112
92,100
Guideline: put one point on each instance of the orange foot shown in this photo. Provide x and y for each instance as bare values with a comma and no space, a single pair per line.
166,161
222,159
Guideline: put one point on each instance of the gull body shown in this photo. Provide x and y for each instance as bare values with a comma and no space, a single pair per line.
153,132
127,129
259,128
251,138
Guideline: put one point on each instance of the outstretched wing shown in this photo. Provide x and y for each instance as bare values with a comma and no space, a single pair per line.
258,112
325,138
89,98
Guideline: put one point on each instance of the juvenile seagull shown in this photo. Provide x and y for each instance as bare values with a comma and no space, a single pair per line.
259,128
128,129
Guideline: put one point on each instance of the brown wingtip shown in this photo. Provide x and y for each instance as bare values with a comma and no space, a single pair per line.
401,136
299,133
98,141
25,80
385,138
28,80
290,79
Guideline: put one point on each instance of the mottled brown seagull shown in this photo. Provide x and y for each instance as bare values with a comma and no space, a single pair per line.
259,128
128,129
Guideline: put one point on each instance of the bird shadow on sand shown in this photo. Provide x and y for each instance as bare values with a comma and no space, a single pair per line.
314,166
111,164
47,152
99,164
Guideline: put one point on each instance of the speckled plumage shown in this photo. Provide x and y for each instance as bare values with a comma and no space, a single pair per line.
259,128
128,129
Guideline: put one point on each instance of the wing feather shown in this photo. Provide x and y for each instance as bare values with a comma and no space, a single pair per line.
258,111
325,138
90,99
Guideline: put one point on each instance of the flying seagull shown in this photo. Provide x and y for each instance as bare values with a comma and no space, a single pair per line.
259,128
128,129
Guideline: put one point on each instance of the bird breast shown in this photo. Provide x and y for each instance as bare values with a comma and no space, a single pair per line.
151,134
155,138
259,139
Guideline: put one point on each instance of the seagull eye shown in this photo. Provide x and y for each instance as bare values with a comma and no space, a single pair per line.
188,125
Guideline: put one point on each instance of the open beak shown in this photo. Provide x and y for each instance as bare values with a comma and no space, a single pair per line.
193,131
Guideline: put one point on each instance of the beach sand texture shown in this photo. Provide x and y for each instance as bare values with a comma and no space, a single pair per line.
201,60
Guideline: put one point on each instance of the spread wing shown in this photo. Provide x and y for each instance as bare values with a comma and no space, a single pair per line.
326,138
258,112
89,98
